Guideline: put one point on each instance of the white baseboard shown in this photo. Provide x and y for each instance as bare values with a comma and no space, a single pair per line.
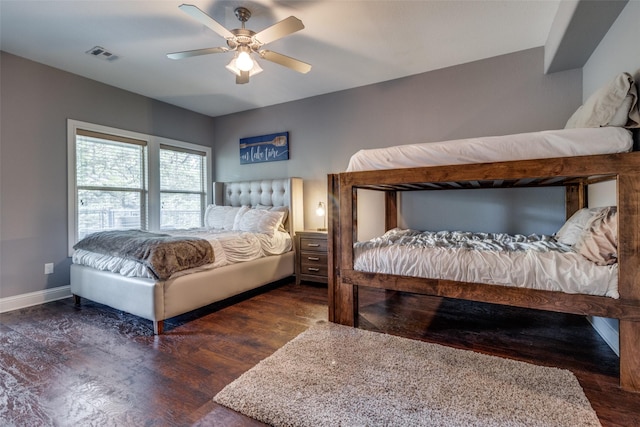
608,333
34,298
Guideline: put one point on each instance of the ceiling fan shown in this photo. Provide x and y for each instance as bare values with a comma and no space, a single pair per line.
246,42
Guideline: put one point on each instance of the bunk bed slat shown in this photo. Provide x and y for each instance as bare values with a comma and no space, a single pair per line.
495,294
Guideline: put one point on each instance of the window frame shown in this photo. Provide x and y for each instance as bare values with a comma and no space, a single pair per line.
152,169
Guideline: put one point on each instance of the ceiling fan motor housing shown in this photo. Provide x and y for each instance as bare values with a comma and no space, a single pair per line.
243,37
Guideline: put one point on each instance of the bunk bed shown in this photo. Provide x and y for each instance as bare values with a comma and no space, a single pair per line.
132,288
396,170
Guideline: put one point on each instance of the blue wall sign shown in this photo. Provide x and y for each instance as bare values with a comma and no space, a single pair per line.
266,148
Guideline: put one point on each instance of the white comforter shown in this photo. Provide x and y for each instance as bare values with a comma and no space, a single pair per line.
533,145
229,247
537,262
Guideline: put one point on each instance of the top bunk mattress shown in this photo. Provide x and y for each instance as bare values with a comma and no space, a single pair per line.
533,145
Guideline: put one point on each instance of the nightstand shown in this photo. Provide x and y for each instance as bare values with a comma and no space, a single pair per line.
311,256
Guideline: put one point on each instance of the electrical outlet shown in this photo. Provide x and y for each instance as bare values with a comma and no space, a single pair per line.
48,268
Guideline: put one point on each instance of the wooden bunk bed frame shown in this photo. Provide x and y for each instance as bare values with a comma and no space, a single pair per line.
574,173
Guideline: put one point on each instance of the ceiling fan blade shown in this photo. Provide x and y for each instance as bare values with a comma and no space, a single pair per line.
196,52
279,29
242,78
278,58
206,20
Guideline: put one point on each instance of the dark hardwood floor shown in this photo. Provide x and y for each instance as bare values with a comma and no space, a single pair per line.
92,365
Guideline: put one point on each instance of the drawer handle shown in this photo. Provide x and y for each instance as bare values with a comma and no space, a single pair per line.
313,269
313,245
313,258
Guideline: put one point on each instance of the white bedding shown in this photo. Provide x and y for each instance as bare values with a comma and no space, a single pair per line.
537,262
229,247
534,145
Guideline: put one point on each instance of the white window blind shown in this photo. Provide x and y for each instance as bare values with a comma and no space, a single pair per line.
182,187
110,182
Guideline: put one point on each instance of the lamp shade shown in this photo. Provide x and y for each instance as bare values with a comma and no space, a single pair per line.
321,210
236,66
244,61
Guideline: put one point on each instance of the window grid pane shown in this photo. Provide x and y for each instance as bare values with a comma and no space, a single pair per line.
180,210
100,210
181,171
102,163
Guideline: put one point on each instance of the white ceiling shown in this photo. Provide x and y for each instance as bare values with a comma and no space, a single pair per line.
348,43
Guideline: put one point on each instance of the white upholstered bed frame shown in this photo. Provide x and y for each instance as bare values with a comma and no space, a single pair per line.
160,300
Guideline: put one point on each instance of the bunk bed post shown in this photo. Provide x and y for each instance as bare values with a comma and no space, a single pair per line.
629,277
343,297
575,198
333,241
390,210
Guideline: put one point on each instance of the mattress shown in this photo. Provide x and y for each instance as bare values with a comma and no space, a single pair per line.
229,247
535,262
534,145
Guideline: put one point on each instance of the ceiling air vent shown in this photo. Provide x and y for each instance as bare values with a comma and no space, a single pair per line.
102,53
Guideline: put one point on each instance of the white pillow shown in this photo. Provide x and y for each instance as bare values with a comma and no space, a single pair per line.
258,221
571,231
599,240
621,116
214,216
608,106
240,214
284,209
220,217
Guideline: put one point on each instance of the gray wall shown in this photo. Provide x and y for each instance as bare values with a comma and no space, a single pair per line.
617,52
497,96
35,104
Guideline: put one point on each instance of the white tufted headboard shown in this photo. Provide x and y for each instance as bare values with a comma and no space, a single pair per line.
268,192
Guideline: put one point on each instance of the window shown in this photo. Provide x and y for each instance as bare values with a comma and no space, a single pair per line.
182,187
126,180
110,182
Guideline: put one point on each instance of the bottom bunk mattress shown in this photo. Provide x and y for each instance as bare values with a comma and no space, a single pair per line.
535,262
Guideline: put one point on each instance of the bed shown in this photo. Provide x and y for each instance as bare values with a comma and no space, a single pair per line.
573,158
157,298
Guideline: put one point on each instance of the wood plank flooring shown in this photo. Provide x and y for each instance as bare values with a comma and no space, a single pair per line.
62,365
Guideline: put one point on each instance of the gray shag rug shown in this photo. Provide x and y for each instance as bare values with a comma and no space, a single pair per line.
333,375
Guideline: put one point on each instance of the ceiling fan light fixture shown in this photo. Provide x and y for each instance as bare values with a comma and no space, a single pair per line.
245,42
235,69
244,61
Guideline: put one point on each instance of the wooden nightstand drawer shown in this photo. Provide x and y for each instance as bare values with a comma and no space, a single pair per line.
315,270
314,263
313,244
311,256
